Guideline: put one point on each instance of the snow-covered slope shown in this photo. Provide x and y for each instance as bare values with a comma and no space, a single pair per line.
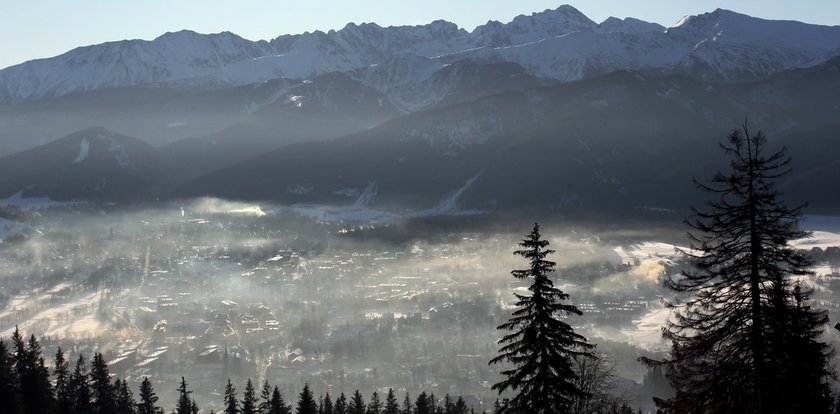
528,29
732,46
182,57
561,44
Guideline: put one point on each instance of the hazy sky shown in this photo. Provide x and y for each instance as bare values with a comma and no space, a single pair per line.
31,29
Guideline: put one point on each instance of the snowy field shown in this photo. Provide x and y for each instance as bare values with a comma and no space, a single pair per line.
72,318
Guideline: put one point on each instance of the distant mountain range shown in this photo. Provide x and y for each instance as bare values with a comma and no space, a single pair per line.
550,110
560,44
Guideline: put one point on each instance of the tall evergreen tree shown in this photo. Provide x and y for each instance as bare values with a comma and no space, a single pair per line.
102,390
341,404
185,404
123,398
148,399
725,355
391,404
797,358
249,399
375,405
406,408
541,346
460,406
231,402
433,403
278,405
356,404
327,405
306,402
80,387
448,405
9,385
34,378
61,371
423,404
265,398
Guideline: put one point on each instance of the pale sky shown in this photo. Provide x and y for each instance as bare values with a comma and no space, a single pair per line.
31,29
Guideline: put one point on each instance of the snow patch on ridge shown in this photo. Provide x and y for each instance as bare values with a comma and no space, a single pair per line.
84,149
448,204
367,196
359,212
119,152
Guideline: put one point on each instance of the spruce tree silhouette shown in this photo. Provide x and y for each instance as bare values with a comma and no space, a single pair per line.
541,346
728,337
231,403
185,404
306,402
148,399
61,371
249,399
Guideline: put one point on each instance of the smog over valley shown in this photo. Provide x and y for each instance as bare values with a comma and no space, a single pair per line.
547,212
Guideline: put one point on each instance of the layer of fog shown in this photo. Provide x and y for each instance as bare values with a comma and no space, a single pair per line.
83,274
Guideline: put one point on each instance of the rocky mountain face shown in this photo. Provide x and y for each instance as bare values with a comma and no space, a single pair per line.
550,110
559,44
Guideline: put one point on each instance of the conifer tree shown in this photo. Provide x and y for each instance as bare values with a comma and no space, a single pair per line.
406,409
798,358
375,405
123,398
422,405
34,378
231,402
341,404
148,399
185,404
391,404
249,399
102,390
9,385
327,405
278,404
460,406
265,398
80,387
356,404
306,402
541,346
61,371
727,337
433,402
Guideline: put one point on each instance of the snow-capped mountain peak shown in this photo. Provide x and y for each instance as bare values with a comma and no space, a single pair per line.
629,24
733,46
561,44
527,29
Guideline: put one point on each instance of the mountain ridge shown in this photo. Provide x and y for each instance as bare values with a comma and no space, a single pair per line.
705,46
91,164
